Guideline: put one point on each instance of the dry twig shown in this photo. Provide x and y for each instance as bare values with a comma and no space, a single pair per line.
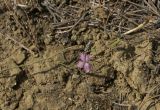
141,26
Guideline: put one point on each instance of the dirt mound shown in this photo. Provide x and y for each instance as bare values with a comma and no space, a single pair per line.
40,46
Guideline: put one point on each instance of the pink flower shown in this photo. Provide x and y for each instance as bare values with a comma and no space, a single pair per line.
83,62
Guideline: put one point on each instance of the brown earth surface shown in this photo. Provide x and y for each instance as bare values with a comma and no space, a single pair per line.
40,43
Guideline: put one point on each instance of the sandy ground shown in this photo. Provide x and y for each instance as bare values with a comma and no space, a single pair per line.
38,68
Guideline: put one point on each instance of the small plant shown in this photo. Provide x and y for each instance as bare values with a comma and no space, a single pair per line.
83,62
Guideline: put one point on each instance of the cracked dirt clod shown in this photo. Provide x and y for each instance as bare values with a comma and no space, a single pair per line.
19,57
139,75
15,70
98,48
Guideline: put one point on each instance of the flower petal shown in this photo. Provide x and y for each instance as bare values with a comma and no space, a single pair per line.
87,67
87,58
80,64
83,57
